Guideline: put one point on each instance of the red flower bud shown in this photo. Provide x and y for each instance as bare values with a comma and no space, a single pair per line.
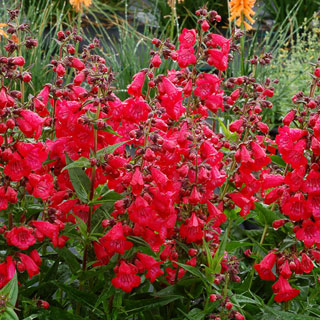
26,77
10,123
156,61
212,297
76,63
278,223
19,61
60,70
192,252
205,26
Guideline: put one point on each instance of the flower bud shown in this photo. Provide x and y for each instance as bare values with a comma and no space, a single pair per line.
19,61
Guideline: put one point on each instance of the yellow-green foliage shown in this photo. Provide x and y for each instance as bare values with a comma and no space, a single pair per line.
292,66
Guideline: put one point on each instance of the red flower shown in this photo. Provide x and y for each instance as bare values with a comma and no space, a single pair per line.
135,110
215,215
309,233
60,70
136,85
20,237
215,102
243,202
312,183
170,98
102,254
40,186
40,102
187,38
151,265
5,99
283,290
3,199
115,241
207,84
172,274
137,182
306,263
19,61
77,64
33,153
218,59
292,151
35,257
236,126
264,268
195,196
289,118
30,265
285,270
17,167
270,181
7,271
140,212
156,61
297,208
294,179
30,124
126,278
186,57
314,205
46,229
192,229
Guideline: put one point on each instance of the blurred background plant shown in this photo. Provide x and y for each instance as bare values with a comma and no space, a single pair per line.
291,66
278,10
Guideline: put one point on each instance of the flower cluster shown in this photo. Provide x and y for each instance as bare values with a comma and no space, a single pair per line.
147,183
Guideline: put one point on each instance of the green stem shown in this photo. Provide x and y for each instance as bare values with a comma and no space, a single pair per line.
264,234
242,49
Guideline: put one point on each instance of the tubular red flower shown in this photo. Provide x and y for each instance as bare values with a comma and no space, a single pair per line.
126,278
264,268
283,290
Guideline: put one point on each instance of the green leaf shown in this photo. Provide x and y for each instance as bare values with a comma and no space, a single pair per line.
104,209
194,314
84,297
265,215
226,131
110,149
10,290
9,314
288,315
236,244
82,162
57,313
69,258
195,271
278,160
100,190
109,196
31,317
80,181
107,129
82,226
134,306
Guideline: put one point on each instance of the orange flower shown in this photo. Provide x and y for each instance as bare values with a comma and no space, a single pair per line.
77,4
239,9
2,33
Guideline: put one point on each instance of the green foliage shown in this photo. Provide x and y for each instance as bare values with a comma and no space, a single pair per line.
291,65
278,10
